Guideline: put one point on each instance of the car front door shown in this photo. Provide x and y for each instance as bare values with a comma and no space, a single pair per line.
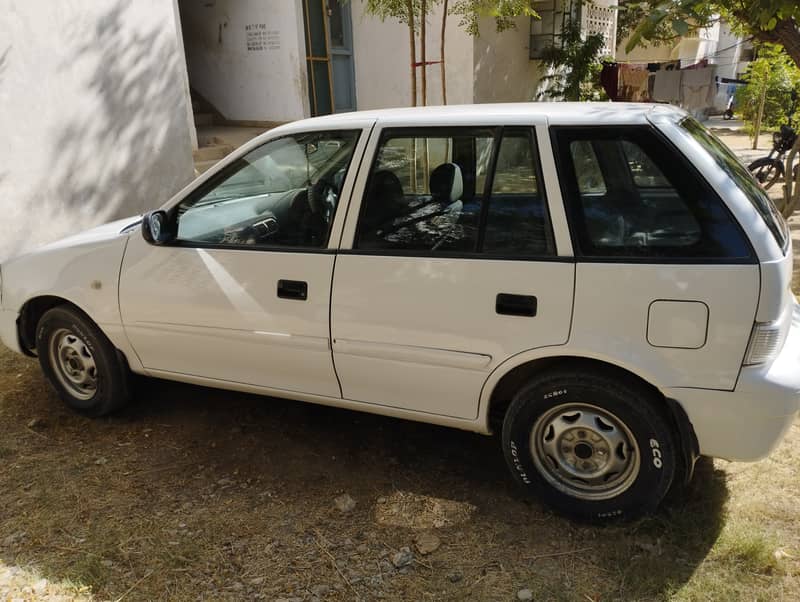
449,268
242,295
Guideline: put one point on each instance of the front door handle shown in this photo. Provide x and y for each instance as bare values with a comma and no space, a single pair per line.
293,289
516,305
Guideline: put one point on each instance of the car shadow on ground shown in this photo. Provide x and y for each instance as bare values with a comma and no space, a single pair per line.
193,492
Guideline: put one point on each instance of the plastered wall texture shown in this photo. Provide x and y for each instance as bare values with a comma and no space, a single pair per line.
94,115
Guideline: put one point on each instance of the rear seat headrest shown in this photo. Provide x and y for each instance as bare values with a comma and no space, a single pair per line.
447,183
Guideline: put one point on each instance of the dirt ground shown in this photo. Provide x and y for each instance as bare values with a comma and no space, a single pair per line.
197,494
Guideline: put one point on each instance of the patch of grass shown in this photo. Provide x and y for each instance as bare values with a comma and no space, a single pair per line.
746,547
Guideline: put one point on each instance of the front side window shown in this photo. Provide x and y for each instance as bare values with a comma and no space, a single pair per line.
458,191
630,194
282,194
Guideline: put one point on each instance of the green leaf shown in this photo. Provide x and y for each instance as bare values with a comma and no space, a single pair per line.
681,27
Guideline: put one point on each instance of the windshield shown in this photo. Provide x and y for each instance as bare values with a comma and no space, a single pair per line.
743,179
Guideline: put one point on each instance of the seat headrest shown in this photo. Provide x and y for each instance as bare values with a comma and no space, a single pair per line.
447,183
386,185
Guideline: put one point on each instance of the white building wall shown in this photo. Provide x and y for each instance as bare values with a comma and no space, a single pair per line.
382,61
93,114
247,57
503,69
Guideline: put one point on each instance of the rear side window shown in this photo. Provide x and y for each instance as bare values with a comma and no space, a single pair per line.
743,178
631,194
463,191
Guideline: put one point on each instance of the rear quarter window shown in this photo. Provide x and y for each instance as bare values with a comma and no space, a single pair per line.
631,194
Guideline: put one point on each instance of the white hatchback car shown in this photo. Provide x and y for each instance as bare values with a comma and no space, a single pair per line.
603,284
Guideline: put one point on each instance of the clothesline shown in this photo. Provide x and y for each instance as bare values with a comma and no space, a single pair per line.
693,88
666,62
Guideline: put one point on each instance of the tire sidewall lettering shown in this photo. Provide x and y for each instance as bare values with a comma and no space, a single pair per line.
656,465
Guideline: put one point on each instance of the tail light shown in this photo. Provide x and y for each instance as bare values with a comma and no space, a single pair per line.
766,342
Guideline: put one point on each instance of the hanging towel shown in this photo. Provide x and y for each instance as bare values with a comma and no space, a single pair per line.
633,82
609,79
698,88
667,86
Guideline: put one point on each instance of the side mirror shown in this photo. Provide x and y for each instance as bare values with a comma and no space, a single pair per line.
156,228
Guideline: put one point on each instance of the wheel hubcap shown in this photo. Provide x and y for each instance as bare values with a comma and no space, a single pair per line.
585,451
73,364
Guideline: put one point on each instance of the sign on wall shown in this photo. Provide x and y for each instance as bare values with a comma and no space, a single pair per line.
259,38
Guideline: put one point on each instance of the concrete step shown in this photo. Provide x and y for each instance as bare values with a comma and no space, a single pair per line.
213,152
235,136
204,166
203,119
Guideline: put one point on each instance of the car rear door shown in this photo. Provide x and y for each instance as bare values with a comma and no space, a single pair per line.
448,265
667,282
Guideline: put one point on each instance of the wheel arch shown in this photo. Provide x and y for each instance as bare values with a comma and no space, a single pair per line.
503,384
31,313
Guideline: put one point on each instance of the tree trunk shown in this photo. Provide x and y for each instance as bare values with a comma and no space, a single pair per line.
441,55
791,188
423,40
788,35
759,117
413,47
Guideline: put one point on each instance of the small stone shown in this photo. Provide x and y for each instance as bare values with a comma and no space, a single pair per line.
237,585
362,549
257,581
100,461
35,423
40,586
427,543
345,503
403,558
455,577
524,594
107,563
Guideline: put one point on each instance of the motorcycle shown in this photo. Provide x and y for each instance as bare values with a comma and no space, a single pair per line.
768,170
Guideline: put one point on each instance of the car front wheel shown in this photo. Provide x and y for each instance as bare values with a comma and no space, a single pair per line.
80,362
590,445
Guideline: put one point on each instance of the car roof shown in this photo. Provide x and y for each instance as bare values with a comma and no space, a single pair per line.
555,113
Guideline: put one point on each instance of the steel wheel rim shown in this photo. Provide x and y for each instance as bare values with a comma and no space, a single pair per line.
73,364
585,451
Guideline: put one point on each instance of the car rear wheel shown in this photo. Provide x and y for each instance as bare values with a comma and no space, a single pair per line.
590,445
80,362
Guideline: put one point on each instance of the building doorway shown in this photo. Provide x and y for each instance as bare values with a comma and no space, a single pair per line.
329,56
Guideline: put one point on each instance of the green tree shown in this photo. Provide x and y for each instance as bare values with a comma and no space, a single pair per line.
765,21
573,65
770,21
772,77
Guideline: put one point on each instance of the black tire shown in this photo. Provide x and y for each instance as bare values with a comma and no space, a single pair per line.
540,464
67,360
727,115
766,171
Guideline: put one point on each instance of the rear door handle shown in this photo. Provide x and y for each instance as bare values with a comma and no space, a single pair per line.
516,305
293,289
